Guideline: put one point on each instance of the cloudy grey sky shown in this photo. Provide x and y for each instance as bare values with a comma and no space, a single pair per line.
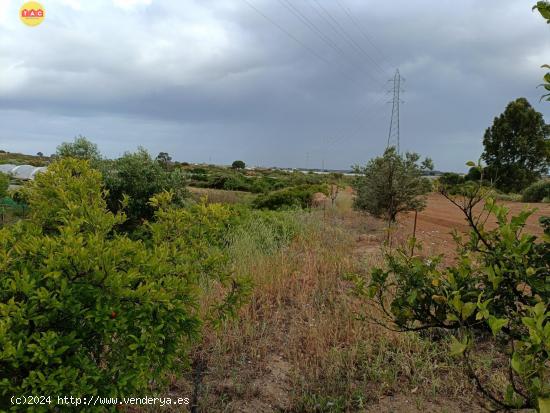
272,82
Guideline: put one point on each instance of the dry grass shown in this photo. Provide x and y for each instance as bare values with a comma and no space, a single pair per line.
298,344
219,195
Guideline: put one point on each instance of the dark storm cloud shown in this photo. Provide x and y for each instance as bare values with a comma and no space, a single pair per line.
214,80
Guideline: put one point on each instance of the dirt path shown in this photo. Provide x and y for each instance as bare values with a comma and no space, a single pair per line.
440,217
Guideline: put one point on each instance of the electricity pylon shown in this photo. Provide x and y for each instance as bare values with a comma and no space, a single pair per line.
394,133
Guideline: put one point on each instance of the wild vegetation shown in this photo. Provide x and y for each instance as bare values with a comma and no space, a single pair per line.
239,307
517,150
87,310
259,290
496,292
392,184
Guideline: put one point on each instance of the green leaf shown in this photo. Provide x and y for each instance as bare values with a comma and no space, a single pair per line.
544,405
458,347
457,303
468,310
544,9
470,163
517,364
529,322
452,317
496,324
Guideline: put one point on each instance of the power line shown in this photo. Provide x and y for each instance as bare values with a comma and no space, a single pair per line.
342,32
343,132
285,31
354,21
342,136
297,13
351,133
312,51
322,35
298,41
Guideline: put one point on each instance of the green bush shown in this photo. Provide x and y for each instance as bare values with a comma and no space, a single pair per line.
229,182
260,185
238,165
498,290
139,177
263,231
85,311
294,197
474,174
198,174
391,184
499,196
80,148
537,192
236,183
4,184
451,178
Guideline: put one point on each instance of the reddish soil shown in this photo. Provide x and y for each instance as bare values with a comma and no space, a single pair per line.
437,221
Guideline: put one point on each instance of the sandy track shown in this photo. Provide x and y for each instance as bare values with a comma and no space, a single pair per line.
440,217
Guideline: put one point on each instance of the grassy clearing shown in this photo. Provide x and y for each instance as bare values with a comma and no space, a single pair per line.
297,345
219,195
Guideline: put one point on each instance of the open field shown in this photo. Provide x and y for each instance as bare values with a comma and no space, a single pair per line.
298,345
303,341
216,211
441,217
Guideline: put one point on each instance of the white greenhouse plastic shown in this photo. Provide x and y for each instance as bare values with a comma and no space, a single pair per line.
23,172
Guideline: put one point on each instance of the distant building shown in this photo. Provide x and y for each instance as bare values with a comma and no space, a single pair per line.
22,172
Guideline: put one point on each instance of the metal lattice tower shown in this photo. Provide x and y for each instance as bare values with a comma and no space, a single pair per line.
394,133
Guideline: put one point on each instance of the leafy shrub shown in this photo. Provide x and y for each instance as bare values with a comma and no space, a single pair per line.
263,231
198,174
198,237
260,185
236,183
238,165
294,197
451,178
537,192
499,288
85,311
229,182
391,184
474,174
139,177
80,148
4,184
499,196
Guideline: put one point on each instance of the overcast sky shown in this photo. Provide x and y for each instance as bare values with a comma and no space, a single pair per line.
273,82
